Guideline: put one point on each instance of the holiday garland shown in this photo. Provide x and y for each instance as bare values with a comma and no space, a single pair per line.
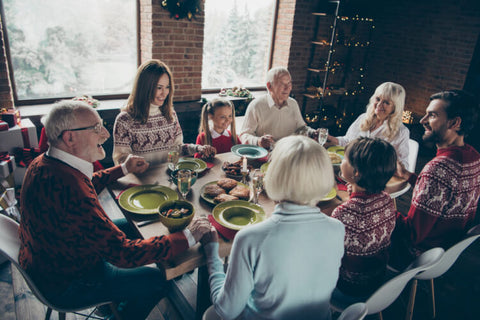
180,9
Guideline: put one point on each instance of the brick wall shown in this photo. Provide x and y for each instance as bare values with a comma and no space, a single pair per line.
179,43
6,97
426,46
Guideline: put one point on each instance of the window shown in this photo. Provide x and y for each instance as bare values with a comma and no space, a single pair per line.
65,48
237,41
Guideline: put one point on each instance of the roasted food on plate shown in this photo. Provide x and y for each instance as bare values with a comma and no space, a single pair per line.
241,192
335,158
227,183
213,190
224,197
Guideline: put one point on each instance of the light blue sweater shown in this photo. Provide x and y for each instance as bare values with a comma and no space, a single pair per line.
283,268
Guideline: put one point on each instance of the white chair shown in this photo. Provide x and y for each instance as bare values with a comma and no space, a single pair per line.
412,164
356,311
384,296
447,260
210,314
10,247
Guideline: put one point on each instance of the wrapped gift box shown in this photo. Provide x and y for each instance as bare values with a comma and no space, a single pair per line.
7,166
10,116
19,175
19,136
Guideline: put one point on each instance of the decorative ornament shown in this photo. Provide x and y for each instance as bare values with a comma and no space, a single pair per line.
180,9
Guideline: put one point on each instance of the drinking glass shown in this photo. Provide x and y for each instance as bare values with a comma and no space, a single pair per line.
257,184
184,181
173,158
322,135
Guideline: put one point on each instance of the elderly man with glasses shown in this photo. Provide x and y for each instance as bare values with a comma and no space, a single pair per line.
70,247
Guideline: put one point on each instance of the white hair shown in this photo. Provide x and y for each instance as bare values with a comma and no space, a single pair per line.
62,117
300,171
275,73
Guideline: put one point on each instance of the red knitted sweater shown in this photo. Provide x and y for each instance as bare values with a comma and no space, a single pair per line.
65,232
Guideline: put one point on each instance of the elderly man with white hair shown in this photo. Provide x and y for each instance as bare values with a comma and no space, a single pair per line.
274,115
69,246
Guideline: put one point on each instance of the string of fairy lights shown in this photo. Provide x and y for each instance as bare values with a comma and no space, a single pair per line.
353,88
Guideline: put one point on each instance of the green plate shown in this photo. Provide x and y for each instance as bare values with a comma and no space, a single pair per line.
332,194
338,150
146,199
264,167
194,164
249,151
210,199
238,214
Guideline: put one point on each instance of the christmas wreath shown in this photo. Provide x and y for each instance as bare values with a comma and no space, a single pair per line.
180,9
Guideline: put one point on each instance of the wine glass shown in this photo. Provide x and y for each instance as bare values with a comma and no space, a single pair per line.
322,135
173,159
184,181
257,184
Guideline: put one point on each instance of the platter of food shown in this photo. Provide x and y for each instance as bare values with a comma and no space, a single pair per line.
238,214
224,190
234,169
145,199
336,154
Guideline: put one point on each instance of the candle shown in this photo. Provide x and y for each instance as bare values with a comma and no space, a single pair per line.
244,167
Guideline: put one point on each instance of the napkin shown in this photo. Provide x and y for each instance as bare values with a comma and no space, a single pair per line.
341,185
126,188
210,165
225,232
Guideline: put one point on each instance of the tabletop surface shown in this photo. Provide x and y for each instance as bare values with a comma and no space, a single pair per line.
194,257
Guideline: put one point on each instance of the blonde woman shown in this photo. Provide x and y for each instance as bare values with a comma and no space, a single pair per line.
287,266
383,119
149,126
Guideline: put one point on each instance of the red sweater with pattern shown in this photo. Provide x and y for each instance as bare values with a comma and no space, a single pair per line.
65,233
369,221
444,199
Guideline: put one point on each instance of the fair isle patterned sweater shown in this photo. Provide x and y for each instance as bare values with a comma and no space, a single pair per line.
444,200
152,140
369,221
65,232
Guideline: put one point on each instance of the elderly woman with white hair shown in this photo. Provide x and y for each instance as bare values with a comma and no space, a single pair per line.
383,119
287,266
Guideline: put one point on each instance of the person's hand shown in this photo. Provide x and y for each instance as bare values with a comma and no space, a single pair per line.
199,227
136,164
331,141
207,151
402,172
211,236
266,141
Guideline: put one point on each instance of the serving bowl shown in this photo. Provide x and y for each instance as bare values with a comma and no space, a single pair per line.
172,217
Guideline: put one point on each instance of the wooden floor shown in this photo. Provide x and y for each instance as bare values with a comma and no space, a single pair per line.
457,292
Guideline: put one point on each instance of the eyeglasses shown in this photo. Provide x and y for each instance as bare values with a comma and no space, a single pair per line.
96,128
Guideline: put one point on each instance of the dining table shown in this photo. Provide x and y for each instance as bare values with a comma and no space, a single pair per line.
148,225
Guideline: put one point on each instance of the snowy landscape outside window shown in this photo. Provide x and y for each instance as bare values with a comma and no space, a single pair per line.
237,41
65,48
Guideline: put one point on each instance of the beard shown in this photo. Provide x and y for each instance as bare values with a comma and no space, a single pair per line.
435,136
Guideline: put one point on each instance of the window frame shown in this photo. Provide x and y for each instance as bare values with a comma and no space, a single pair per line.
270,54
26,102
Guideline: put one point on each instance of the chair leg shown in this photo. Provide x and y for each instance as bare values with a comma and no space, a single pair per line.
61,315
48,314
432,289
411,301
